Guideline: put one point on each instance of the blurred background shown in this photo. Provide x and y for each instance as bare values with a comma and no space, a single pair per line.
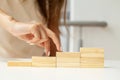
92,23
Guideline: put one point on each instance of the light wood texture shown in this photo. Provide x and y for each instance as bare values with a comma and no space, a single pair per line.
86,58
37,64
43,61
92,60
66,57
69,65
91,65
19,63
92,57
68,60
95,50
68,54
92,54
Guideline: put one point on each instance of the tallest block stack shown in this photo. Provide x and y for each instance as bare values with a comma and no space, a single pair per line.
92,57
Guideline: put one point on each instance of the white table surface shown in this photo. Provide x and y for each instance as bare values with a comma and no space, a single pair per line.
110,72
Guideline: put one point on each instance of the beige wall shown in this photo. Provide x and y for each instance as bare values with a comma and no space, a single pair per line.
99,10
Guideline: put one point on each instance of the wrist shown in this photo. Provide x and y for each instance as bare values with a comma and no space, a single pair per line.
11,23
7,22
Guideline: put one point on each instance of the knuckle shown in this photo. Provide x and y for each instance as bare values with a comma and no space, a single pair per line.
35,40
53,34
36,26
46,39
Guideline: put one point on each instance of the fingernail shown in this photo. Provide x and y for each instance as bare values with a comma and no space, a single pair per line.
60,48
48,53
31,43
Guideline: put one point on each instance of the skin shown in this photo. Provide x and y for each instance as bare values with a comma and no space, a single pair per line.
33,33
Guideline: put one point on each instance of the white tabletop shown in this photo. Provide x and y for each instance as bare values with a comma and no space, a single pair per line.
110,72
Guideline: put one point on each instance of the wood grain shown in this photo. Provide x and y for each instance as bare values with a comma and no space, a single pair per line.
19,63
91,65
43,61
68,54
92,60
70,65
92,54
68,60
95,50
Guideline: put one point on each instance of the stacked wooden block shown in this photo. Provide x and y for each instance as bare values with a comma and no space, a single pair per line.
37,61
86,58
20,63
92,57
68,59
43,61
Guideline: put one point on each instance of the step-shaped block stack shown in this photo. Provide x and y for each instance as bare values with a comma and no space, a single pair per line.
86,58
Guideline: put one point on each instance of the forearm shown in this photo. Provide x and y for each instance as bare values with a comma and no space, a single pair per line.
6,21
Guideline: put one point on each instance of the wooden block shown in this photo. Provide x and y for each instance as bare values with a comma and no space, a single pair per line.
91,65
92,60
68,60
37,64
68,65
19,63
95,50
43,61
92,54
68,54
68,57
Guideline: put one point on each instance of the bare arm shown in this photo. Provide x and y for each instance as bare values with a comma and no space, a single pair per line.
40,34
6,21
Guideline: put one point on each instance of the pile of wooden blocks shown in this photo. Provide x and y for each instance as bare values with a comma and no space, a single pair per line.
92,57
86,58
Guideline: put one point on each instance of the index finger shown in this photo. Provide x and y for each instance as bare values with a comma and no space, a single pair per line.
54,38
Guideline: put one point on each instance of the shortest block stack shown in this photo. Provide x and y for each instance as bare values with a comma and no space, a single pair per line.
92,57
20,63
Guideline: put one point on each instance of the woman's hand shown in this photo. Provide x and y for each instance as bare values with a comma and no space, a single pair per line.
35,33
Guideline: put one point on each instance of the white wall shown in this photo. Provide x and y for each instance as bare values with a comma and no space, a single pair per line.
100,10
